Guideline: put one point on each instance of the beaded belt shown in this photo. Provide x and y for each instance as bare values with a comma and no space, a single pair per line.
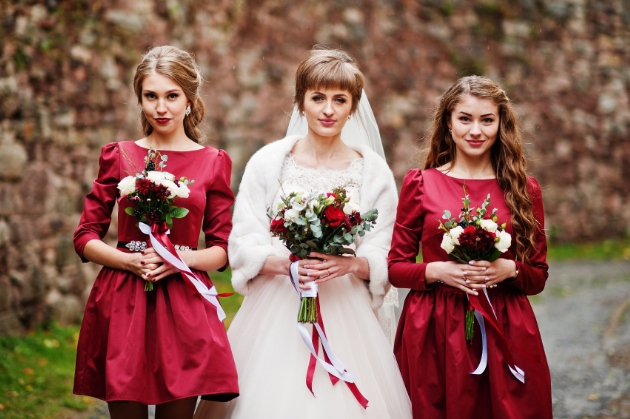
139,246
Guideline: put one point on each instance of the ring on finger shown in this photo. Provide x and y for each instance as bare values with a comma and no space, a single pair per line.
328,270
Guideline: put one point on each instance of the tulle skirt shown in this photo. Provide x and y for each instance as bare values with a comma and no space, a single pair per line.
272,359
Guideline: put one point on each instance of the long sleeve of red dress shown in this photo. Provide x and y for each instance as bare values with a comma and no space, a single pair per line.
532,276
217,220
99,203
404,271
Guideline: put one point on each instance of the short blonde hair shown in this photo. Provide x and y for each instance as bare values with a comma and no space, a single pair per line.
325,68
180,66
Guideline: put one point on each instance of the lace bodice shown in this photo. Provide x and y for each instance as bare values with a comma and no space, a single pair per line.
305,179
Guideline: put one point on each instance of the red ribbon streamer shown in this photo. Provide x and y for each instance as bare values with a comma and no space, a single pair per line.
312,363
481,304
310,373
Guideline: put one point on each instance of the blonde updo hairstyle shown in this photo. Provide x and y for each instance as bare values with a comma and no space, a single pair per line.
325,68
507,154
180,66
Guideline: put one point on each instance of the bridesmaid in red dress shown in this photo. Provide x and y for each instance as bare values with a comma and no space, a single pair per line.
167,346
475,142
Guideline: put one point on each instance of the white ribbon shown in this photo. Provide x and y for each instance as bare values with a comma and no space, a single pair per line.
483,362
335,367
209,294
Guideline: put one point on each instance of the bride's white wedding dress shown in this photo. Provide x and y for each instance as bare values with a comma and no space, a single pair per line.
271,357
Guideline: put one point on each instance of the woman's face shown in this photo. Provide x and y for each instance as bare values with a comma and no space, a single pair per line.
475,124
327,110
164,103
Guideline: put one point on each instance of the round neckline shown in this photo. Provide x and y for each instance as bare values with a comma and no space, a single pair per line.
168,151
290,156
462,179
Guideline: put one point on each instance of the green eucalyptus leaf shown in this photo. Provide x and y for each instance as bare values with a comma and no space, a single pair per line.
176,212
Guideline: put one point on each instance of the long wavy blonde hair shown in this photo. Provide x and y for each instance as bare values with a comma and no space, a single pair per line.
507,155
180,66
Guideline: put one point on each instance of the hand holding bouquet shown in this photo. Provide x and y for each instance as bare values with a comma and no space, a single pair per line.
152,194
319,222
474,237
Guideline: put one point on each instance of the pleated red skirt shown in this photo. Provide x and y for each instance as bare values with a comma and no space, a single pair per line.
152,347
436,360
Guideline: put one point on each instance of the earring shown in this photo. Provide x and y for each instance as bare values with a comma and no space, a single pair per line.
349,116
187,110
303,113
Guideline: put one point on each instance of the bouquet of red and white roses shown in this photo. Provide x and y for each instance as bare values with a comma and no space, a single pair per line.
319,222
152,193
474,237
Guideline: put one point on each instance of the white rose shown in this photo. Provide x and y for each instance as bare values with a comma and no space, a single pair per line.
156,176
183,191
505,240
292,214
454,234
350,207
127,185
488,225
171,186
447,243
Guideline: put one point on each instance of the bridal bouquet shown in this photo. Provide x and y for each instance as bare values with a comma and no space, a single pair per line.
152,193
474,237
319,222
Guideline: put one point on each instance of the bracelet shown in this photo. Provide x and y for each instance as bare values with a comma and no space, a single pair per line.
516,276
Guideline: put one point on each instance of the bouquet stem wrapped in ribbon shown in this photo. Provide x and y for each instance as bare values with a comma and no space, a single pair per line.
324,223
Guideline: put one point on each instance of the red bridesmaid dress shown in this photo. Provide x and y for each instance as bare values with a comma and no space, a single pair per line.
166,344
434,357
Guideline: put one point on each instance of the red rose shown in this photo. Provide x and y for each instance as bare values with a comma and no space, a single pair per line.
277,226
143,186
329,194
334,216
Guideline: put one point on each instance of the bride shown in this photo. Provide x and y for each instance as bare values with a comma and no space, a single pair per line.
270,355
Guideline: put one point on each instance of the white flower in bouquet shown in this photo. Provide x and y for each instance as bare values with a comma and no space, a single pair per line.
350,207
173,189
127,185
447,243
488,225
454,233
291,214
505,240
183,191
156,176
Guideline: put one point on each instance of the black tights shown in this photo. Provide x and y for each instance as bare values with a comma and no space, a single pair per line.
179,409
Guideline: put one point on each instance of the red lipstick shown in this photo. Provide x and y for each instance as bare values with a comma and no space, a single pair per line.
162,121
327,122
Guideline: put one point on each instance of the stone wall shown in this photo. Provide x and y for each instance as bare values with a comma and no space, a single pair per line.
65,90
